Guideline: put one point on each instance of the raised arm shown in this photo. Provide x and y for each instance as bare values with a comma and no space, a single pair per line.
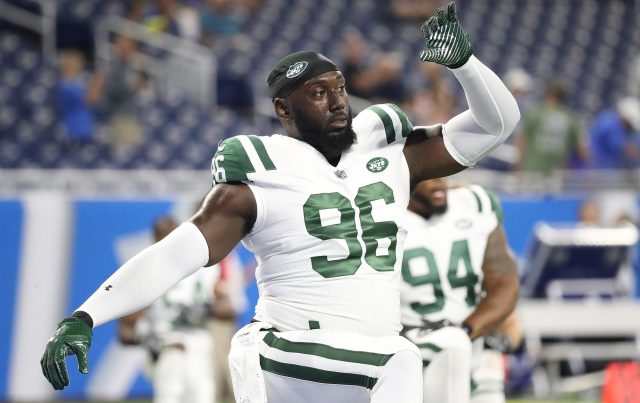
500,285
227,213
493,113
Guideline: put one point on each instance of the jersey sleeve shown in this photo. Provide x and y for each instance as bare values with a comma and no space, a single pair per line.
238,158
382,124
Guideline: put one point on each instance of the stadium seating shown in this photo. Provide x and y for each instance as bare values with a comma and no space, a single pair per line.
585,42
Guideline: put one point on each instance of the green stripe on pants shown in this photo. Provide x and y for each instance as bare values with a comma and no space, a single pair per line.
322,350
430,346
315,375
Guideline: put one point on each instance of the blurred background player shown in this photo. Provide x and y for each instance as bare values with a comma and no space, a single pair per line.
552,134
615,136
174,330
459,282
230,301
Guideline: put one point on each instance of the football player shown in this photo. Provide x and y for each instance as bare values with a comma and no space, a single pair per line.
459,282
320,207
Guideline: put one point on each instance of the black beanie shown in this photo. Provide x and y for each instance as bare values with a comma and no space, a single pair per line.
295,69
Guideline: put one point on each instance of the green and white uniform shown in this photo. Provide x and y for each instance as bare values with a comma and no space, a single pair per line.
181,310
180,317
327,240
442,268
442,279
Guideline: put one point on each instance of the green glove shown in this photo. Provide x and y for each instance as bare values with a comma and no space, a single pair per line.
447,43
72,337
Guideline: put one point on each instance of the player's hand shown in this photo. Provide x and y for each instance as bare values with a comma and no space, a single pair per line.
446,42
72,337
499,342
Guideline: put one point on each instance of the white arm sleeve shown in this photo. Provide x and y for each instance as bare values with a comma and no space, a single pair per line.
148,275
492,115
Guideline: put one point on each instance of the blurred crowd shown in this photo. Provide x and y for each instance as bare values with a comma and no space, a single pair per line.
552,136
86,90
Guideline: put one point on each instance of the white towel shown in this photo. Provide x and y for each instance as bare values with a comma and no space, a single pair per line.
244,362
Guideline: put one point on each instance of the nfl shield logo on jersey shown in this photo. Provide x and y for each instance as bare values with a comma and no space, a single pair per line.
341,174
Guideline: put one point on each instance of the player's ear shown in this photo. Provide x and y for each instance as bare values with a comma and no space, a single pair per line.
282,108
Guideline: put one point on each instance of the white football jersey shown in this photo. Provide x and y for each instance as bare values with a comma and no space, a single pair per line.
327,239
442,264
182,309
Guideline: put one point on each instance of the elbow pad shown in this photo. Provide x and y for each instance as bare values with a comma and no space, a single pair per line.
491,118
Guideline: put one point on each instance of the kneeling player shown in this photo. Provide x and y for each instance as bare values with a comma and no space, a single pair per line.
459,283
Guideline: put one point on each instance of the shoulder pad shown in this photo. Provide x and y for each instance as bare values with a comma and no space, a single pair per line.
393,119
239,156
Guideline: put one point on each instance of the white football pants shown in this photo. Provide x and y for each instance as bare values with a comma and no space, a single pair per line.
185,376
488,378
447,356
320,366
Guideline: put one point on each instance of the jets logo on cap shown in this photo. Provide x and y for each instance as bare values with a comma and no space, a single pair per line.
296,69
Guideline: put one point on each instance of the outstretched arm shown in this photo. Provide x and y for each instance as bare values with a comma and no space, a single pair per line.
500,284
492,115
226,215
222,220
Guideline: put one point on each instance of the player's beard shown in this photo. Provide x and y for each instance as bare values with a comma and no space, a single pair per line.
437,209
430,209
328,141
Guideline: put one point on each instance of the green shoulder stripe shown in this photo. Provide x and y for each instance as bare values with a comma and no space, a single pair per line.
496,206
389,128
231,162
262,153
406,125
478,201
386,121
